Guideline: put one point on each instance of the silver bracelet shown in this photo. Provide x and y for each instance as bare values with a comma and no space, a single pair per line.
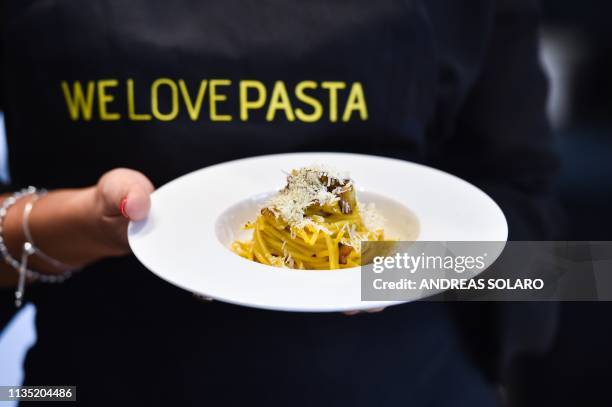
29,240
28,247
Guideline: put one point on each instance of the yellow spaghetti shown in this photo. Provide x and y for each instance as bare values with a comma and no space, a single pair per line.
314,223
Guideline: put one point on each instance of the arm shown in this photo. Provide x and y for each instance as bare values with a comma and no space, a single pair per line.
502,140
502,143
78,226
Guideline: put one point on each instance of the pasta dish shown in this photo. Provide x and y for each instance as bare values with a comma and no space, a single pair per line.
315,222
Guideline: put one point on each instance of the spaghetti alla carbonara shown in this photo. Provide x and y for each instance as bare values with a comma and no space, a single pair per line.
315,222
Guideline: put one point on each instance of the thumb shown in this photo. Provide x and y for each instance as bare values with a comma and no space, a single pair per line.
136,204
126,192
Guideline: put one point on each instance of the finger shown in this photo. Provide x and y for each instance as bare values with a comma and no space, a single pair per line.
351,313
126,192
371,311
136,205
202,298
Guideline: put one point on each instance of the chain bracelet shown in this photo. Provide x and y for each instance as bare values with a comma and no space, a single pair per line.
8,258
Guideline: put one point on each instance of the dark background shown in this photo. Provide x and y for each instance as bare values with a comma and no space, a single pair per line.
577,53
582,33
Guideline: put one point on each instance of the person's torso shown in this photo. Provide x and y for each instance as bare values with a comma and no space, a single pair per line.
170,87
167,88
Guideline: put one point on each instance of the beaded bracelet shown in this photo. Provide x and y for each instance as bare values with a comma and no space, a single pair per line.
28,247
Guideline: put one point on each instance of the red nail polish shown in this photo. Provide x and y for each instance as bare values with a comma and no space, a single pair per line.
122,208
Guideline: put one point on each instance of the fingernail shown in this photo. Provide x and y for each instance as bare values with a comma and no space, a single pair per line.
122,208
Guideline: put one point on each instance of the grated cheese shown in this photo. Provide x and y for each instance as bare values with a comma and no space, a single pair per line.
305,188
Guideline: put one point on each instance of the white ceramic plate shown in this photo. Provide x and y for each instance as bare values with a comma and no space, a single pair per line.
193,220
